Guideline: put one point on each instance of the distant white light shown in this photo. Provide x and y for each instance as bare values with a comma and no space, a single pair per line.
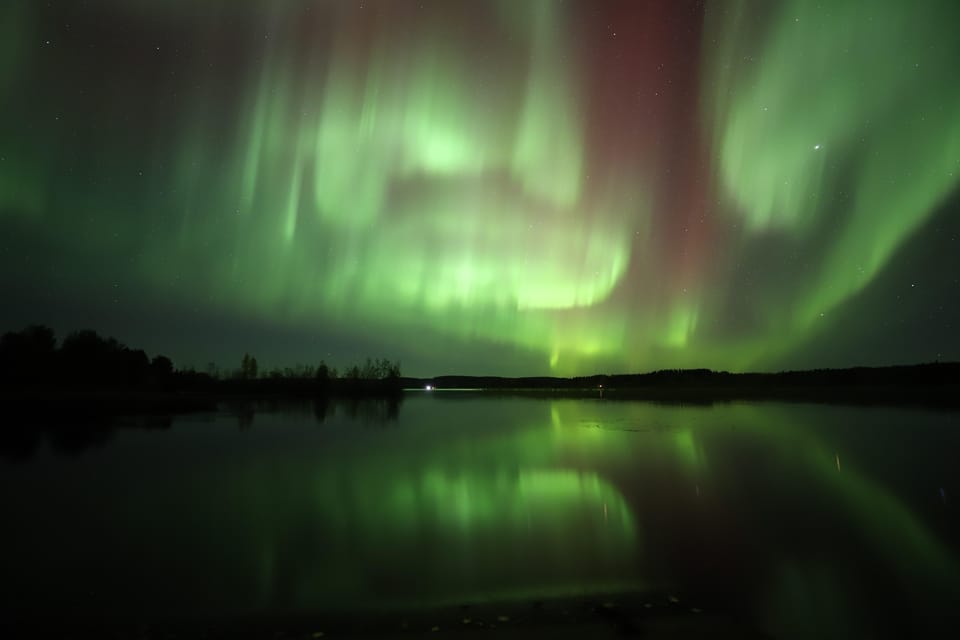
816,147
429,387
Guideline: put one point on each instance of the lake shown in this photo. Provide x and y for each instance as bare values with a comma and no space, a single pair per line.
791,520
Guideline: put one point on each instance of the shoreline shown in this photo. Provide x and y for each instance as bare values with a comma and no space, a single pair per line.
617,615
932,385
81,404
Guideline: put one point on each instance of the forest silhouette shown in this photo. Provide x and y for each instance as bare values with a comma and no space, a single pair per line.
92,374
84,359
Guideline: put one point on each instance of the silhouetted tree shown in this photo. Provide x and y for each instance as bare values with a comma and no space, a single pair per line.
27,356
379,369
248,367
86,358
161,369
369,371
323,373
135,366
275,374
388,370
162,365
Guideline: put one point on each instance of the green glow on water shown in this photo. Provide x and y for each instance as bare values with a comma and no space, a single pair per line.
471,500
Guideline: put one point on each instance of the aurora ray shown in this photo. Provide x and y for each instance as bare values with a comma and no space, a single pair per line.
500,187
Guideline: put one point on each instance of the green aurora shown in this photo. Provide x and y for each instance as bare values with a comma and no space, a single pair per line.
499,187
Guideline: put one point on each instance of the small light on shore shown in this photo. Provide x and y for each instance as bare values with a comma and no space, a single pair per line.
429,387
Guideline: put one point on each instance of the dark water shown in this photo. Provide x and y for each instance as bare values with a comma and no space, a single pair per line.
797,520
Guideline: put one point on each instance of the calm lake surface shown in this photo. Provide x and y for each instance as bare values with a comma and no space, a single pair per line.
795,520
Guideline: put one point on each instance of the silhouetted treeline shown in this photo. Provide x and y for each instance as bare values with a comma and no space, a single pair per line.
374,377
379,369
106,374
30,359
933,383
919,374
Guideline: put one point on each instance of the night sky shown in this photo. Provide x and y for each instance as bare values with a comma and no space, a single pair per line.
511,187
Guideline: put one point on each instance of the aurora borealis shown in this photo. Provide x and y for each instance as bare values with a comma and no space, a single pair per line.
513,187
